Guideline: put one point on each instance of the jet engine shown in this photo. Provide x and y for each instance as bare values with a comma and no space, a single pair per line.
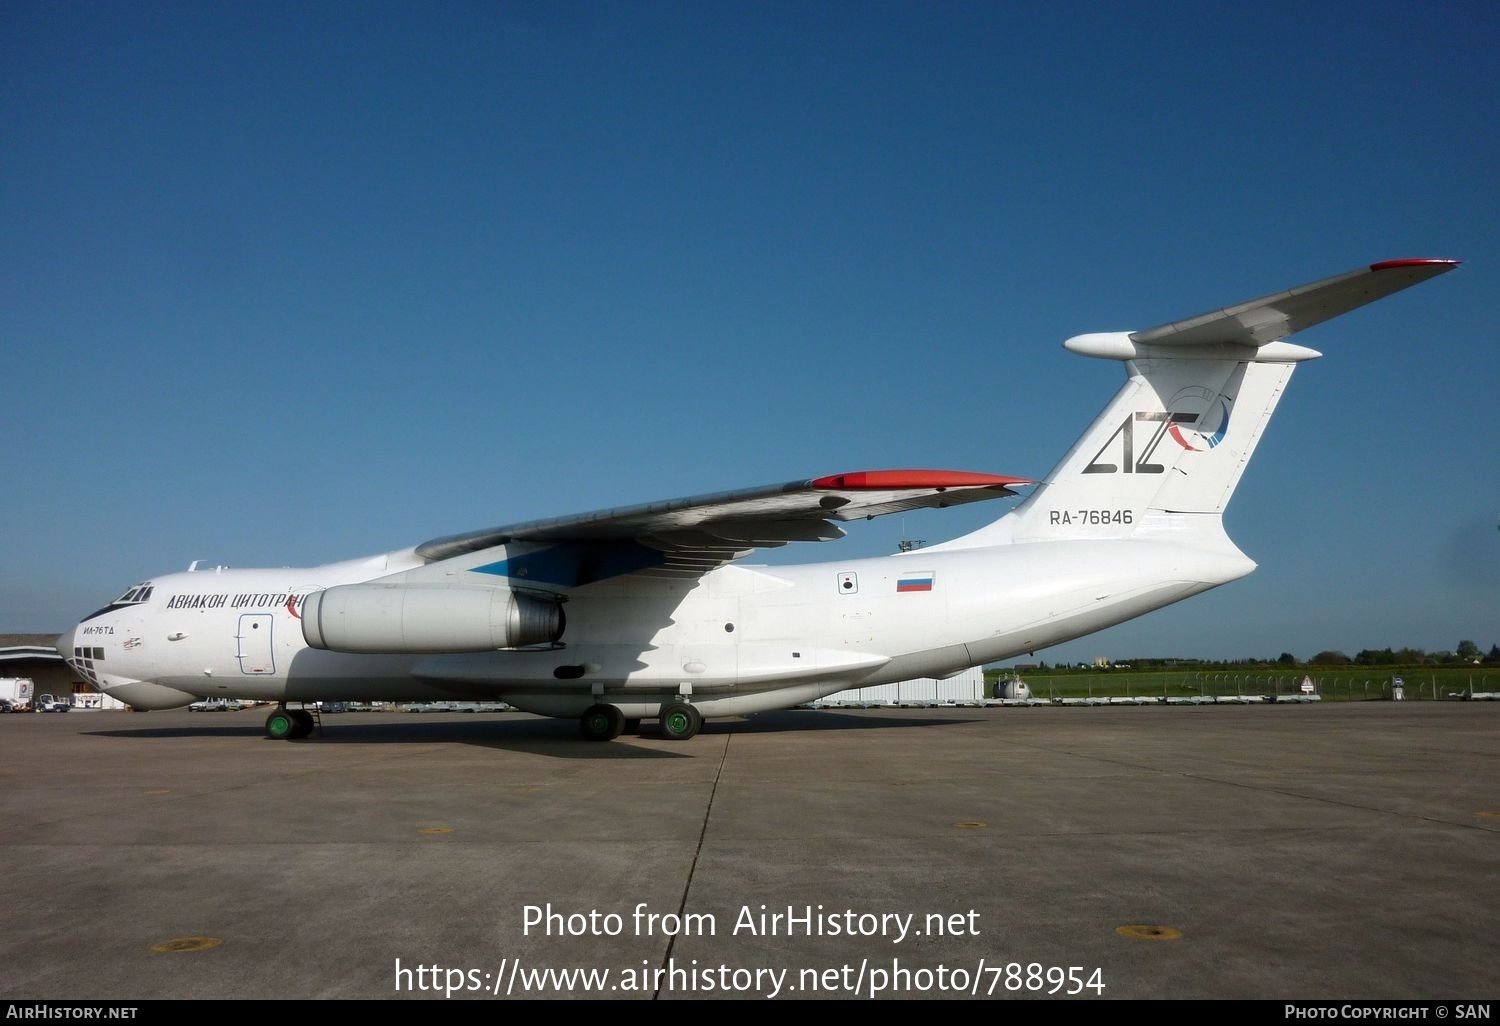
390,618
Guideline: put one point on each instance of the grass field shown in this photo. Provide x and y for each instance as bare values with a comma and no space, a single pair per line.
1332,683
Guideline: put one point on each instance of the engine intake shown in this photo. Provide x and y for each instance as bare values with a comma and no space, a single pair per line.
393,618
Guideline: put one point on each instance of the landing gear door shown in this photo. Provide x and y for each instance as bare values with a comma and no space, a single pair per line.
256,655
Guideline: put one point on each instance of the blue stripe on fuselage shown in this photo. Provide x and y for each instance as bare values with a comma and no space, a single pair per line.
573,564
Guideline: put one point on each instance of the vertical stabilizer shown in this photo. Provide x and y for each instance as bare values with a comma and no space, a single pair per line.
1169,449
1174,440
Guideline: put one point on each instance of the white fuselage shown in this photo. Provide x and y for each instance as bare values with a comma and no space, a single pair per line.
739,639
640,611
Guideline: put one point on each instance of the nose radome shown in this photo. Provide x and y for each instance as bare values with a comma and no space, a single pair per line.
65,643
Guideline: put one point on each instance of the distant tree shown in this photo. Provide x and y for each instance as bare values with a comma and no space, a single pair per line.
1410,657
1330,658
1467,652
1494,656
1375,657
1286,659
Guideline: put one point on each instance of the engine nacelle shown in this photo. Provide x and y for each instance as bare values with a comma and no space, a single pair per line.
389,618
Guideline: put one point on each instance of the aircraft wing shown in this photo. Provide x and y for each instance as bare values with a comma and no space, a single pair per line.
1274,317
701,532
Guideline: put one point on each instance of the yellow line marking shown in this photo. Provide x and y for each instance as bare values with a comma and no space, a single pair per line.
1488,815
971,824
1154,933
179,945
435,830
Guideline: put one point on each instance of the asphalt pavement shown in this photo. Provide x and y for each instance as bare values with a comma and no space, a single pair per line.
1330,851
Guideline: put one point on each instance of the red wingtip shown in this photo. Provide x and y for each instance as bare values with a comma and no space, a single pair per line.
897,479
1386,265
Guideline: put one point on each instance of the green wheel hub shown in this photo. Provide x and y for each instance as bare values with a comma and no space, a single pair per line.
601,722
680,721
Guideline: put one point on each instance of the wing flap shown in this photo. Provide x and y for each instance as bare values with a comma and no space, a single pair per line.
753,533
709,530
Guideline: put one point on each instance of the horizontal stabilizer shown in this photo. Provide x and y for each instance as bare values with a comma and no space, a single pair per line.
1274,317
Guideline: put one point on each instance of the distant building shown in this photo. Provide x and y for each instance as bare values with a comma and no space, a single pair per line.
35,656
968,686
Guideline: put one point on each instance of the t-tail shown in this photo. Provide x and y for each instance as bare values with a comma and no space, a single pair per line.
1164,457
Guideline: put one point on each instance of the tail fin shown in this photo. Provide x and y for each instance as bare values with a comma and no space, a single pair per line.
1174,440
1167,452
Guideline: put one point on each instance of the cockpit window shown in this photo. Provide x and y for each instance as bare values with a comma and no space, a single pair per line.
134,597
139,593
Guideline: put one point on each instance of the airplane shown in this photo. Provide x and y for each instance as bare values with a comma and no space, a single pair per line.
645,612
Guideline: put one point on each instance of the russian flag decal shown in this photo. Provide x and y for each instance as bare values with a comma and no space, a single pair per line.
920,580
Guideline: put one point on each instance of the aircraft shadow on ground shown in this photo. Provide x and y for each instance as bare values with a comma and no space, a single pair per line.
538,735
787,721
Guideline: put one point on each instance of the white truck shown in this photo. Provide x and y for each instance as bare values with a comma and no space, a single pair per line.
16,692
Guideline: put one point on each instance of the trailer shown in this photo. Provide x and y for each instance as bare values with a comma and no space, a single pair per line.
16,693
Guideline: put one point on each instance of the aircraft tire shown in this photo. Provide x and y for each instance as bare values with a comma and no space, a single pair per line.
601,723
302,723
280,725
680,721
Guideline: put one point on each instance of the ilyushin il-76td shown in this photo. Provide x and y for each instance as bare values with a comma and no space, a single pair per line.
644,612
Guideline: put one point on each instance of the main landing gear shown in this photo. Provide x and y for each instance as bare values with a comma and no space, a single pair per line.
601,723
289,724
679,722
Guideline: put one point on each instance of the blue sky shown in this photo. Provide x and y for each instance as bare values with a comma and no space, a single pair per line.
284,284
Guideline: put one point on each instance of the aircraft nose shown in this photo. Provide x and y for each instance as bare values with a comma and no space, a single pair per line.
65,642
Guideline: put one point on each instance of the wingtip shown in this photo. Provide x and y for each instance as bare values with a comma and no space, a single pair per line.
1386,265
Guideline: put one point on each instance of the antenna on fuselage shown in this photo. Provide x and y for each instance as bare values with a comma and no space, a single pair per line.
907,544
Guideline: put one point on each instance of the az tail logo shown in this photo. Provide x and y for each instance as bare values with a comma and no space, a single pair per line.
1195,430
